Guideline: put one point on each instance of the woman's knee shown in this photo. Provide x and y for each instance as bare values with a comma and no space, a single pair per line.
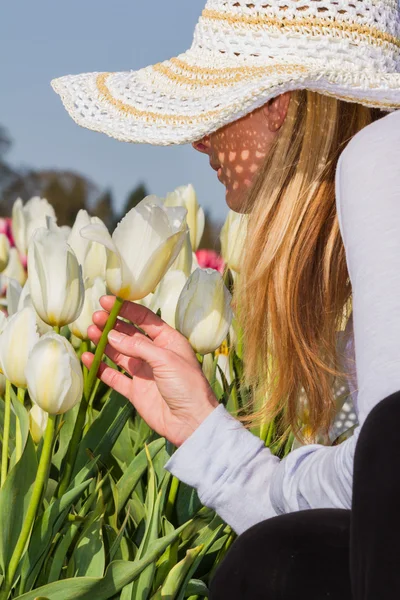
271,559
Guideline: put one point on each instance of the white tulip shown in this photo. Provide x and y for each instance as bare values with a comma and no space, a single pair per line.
37,422
232,236
93,293
204,312
16,341
4,251
195,263
184,260
223,363
91,255
3,321
14,268
14,291
54,374
26,300
55,278
27,218
142,248
186,196
167,295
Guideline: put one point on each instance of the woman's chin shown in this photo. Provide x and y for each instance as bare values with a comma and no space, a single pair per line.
234,200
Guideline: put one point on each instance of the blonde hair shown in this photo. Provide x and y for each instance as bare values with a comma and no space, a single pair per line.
294,291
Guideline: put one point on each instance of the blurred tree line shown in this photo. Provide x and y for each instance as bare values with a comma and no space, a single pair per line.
68,192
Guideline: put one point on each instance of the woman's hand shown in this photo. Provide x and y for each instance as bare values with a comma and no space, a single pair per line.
168,387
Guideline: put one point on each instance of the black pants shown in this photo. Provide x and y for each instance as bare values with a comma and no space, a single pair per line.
333,554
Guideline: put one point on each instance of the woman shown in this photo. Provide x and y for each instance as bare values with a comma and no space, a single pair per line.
294,106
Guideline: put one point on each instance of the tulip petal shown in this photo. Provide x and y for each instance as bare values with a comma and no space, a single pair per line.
14,290
98,232
16,342
54,376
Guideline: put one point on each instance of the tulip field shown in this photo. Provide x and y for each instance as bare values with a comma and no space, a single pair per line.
87,510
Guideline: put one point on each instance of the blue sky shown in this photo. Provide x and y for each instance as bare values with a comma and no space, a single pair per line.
45,39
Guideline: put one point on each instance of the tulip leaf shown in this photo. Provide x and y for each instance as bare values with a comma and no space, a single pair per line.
134,472
118,575
196,587
177,575
89,555
14,500
43,533
64,437
104,431
187,503
205,541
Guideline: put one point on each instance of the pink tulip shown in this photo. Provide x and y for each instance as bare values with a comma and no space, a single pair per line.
209,259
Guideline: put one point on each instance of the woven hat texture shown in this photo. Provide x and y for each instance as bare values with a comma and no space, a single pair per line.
242,55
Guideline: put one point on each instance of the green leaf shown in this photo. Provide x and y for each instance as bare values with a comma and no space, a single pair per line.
89,555
177,575
64,437
196,587
134,472
14,500
118,575
21,414
44,530
103,433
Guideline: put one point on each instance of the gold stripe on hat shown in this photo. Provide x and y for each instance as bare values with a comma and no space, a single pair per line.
128,109
299,24
239,74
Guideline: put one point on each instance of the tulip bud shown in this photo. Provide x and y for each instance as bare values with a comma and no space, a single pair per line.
232,236
184,260
26,300
55,278
203,313
27,218
142,248
186,196
54,374
37,422
93,293
4,251
14,268
167,294
16,341
92,256
14,291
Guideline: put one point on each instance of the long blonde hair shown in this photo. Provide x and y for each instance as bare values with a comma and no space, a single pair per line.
294,291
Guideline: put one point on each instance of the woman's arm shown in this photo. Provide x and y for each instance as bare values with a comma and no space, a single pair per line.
232,471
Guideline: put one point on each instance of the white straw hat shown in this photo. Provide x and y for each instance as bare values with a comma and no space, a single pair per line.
242,55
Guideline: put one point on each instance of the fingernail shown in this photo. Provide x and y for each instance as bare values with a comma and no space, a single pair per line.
115,336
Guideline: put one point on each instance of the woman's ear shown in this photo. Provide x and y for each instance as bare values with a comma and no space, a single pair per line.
275,110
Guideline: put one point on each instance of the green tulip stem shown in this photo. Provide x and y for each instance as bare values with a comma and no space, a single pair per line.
234,394
173,492
85,347
18,432
87,392
6,433
34,502
57,329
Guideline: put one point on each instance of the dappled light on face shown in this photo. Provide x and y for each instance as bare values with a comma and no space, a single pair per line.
239,149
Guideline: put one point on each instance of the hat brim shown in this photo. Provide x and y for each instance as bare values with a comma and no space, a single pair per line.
185,98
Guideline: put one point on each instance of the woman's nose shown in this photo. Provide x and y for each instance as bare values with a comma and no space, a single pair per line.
202,145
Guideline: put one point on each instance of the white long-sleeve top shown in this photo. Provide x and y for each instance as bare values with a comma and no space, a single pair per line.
232,470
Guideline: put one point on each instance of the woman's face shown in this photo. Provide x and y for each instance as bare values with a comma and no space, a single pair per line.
237,150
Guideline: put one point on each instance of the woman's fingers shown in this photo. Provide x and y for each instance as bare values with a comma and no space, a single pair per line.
100,317
144,318
160,332
137,347
127,363
111,377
